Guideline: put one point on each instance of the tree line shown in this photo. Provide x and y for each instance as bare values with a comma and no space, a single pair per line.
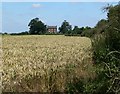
37,27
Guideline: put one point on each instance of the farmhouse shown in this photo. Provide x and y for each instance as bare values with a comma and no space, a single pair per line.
52,29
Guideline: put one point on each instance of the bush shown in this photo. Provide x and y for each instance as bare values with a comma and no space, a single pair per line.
72,35
88,33
21,33
106,48
48,33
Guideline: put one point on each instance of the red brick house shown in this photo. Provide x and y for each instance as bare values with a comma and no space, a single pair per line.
52,29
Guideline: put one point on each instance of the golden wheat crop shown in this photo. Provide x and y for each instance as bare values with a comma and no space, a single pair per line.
44,62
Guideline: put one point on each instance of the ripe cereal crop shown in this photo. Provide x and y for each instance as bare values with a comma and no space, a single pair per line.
44,63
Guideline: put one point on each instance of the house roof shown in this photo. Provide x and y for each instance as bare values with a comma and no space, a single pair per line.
52,27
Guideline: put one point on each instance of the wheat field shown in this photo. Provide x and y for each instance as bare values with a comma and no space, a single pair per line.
44,63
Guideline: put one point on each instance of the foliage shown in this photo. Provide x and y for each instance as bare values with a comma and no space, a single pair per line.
72,35
101,26
76,30
76,87
65,28
113,32
37,27
5,33
21,33
98,29
88,32
106,47
56,33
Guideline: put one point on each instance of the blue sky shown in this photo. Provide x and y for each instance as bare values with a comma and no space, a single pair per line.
17,15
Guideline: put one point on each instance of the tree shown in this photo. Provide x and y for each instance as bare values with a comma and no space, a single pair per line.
113,31
77,30
37,26
82,28
107,51
65,28
101,26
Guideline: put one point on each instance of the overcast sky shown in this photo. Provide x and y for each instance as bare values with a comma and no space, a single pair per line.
16,16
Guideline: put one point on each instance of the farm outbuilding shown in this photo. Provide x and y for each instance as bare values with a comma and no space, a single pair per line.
52,29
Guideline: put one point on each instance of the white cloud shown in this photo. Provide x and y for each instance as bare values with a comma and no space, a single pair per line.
36,5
